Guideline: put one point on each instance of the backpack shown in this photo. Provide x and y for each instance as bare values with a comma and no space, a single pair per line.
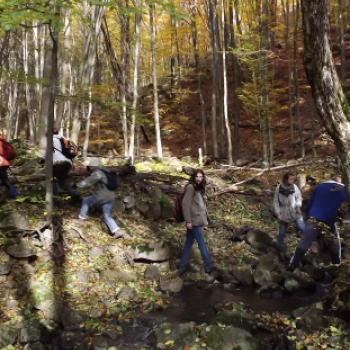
177,211
69,148
112,181
6,150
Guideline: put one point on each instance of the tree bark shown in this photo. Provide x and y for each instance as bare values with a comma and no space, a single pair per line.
326,88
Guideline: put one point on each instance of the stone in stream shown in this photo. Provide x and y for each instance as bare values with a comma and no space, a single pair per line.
152,272
234,318
231,338
158,251
259,239
29,335
34,346
8,336
261,277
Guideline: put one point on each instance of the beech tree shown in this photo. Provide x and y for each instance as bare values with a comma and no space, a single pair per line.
326,87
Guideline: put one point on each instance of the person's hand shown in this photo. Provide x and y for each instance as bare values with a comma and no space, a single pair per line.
297,210
41,161
279,218
189,226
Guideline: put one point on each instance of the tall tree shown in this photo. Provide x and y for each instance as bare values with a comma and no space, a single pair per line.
326,88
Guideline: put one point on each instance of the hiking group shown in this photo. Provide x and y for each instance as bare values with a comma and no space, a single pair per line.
190,207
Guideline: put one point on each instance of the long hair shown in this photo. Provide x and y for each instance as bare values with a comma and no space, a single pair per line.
193,178
286,176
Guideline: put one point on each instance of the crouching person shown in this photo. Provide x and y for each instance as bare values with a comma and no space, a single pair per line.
103,196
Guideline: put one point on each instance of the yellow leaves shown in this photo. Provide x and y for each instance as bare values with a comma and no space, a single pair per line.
170,343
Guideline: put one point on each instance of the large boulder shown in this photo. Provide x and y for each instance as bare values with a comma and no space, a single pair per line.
174,336
5,266
15,219
262,277
243,274
20,249
8,336
259,239
173,285
234,318
159,251
231,338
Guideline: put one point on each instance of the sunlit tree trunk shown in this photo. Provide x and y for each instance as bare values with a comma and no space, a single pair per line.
137,48
155,84
342,44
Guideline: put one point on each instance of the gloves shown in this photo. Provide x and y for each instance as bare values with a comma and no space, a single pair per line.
42,161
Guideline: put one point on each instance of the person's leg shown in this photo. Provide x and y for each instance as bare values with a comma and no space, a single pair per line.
110,222
62,179
300,225
198,235
85,206
186,250
310,233
281,234
3,177
56,174
335,246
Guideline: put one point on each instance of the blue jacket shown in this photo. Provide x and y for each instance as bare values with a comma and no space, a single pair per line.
325,201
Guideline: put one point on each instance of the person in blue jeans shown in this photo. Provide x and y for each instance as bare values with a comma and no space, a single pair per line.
196,216
287,203
102,196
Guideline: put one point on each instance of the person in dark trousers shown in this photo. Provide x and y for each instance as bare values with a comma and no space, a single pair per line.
61,167
196,216
102,196
322,215
287,203
4,165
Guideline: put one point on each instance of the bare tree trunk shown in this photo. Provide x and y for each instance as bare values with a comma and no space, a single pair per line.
214,80
296,82
342,45
326,88
155,84
198,76
179,73
138,17
224,75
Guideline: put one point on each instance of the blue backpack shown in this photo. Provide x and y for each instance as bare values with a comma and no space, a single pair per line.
112,181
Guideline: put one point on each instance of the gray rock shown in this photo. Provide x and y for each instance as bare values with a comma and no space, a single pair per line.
121,276
142,207
271,290
95,252
154,212
243,274
182,335
95,313
129,201
15,219
70,339
81,276
315,310
5,268
239,319
21,249
72,319
152,272
114,249
231,338
100,343
266,263
48,237
261,277
153,252
171,285
34,346
126,293
259,239
8,336
293,287
119,206
29,334
29,269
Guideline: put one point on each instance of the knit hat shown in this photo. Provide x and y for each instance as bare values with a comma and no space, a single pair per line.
94,161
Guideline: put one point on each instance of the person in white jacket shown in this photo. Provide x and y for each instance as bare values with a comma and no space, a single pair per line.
287,203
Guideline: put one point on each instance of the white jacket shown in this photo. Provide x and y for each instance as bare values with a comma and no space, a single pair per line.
57,151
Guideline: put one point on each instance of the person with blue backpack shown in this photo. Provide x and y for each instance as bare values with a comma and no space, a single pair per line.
105,184
322,215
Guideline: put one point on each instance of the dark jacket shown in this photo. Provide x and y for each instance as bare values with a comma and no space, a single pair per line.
193,207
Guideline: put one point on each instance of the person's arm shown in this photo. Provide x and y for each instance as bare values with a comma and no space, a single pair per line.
95,177
309,203
276,203
186,205
344,196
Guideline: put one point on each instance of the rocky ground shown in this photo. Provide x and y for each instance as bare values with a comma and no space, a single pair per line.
67,286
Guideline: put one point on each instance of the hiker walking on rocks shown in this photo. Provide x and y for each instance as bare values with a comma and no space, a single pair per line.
6,152
287,203
196,216
322,214
61,168
103,196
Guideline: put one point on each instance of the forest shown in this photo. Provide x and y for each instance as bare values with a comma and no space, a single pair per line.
153,90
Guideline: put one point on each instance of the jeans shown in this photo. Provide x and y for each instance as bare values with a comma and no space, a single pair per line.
283,229
312,230
60,172
191,235
3,177
106,210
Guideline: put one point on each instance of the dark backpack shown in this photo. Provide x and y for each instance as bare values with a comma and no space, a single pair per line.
69,148
6,150
177,211
112,181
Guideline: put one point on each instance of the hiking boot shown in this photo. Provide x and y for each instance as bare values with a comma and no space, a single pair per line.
78,222
290,268
211,269
121,234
